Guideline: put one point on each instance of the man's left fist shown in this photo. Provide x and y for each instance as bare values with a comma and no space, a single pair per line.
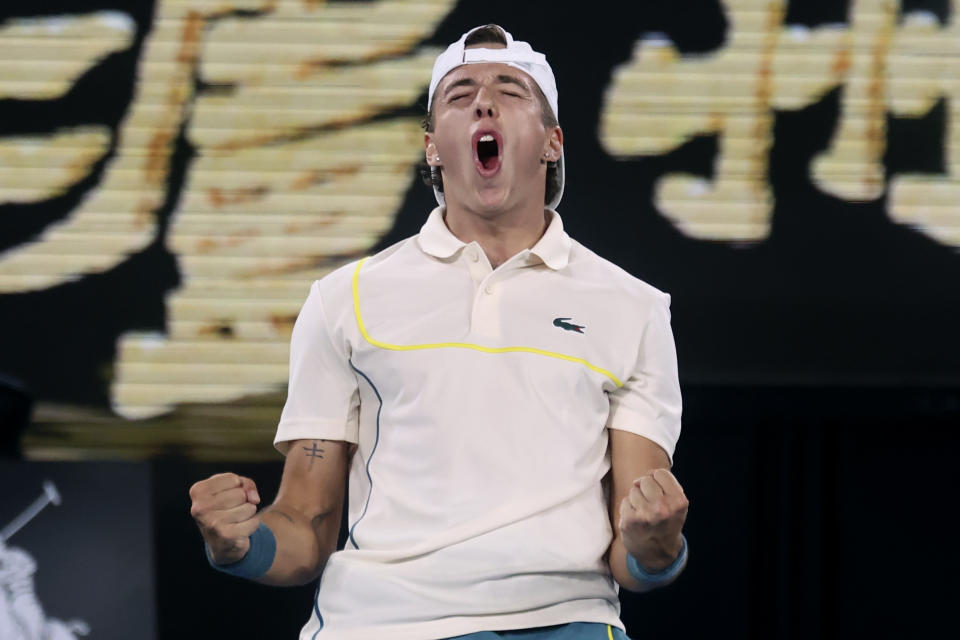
651,519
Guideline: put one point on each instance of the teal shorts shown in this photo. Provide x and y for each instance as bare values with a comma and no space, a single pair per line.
571,631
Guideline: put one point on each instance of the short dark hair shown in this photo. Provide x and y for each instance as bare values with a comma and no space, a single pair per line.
492,34
487,34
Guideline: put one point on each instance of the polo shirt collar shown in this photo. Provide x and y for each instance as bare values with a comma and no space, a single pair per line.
436,239
553,248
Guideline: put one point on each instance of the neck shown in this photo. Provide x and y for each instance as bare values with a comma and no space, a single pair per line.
500,235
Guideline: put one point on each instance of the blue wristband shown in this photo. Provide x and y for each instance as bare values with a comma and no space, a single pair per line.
263,548
664,576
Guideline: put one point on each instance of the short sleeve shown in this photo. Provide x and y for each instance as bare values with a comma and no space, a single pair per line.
649,403
322,397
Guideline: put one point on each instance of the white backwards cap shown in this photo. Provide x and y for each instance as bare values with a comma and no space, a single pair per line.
517,54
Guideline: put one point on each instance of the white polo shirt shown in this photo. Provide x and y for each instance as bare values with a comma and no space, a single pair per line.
479,399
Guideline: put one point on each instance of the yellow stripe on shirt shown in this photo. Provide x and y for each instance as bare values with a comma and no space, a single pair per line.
461,345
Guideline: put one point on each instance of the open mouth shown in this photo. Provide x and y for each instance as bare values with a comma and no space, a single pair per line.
487,146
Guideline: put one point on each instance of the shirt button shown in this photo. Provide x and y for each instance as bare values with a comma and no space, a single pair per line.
488,289
474,256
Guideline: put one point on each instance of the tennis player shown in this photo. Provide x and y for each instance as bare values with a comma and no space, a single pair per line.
504,402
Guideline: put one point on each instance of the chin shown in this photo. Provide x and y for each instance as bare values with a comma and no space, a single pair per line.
492,200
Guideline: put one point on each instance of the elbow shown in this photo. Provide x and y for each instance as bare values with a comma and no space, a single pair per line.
626,581
305,576
617,561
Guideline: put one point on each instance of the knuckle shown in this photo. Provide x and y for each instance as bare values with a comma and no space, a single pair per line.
232,477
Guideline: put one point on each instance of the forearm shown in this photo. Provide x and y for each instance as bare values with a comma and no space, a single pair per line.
289,542
303,543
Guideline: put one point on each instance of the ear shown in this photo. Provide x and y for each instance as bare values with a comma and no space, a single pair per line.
553,146
430,149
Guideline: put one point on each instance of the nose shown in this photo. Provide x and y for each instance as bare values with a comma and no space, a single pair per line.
485,105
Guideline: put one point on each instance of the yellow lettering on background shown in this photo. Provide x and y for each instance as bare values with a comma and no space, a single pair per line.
42,167
852,168
298,164
659,100
41,58
122,209
923,71
291,179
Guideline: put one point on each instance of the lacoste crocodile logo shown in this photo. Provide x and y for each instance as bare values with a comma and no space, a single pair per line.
561,322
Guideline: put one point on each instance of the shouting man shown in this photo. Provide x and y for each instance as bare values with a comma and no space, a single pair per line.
504,401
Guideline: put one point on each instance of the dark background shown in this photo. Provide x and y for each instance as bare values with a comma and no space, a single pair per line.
820,367
94,551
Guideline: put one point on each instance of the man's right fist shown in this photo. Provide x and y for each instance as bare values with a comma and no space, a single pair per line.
225,508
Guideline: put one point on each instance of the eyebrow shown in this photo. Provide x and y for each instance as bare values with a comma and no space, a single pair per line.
505,79
470,82
462,82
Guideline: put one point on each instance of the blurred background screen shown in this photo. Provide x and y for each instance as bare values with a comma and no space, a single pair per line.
175,174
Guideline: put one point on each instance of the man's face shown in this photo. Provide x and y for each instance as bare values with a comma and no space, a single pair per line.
489,134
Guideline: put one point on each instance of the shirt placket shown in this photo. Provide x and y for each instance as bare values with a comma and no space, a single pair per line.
488,289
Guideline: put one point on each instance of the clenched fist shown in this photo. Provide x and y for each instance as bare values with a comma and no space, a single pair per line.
651,519
225,508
